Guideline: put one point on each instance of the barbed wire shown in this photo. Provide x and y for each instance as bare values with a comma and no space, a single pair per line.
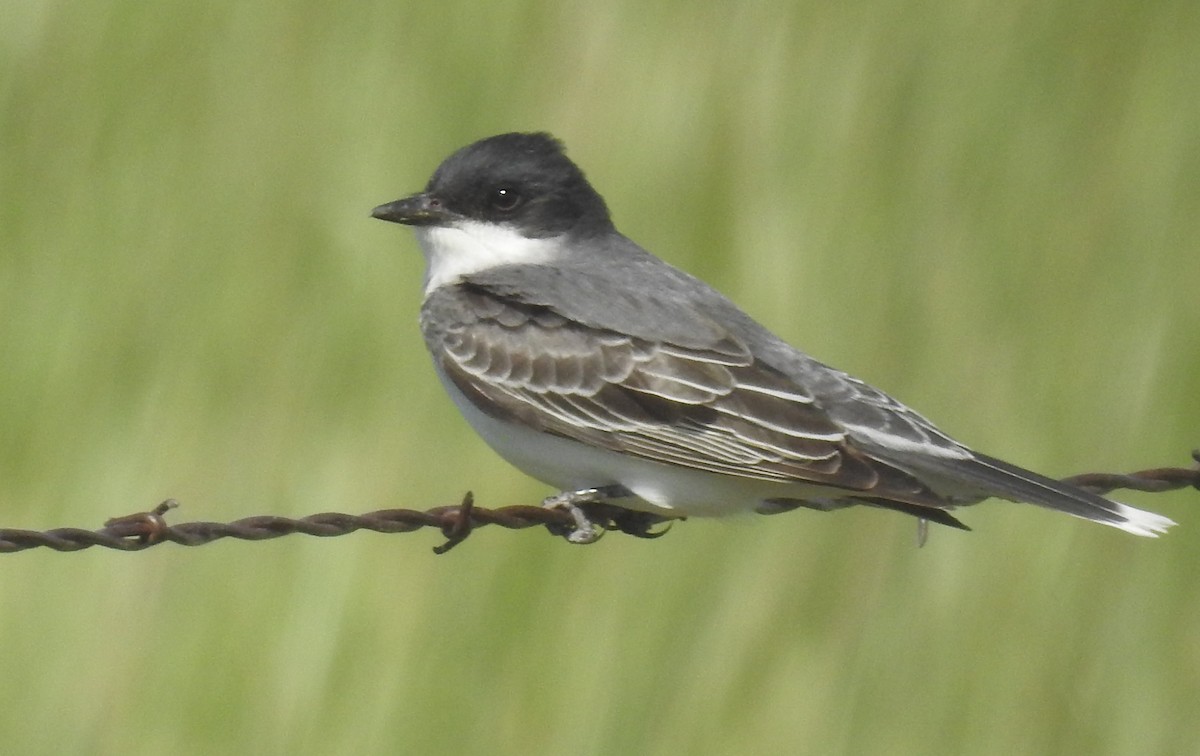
141,530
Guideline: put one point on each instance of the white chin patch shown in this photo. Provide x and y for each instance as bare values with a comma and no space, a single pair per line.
467,247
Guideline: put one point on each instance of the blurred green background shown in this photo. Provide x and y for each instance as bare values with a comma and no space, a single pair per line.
990,210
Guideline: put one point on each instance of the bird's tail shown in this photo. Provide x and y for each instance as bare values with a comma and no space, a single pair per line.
1011,482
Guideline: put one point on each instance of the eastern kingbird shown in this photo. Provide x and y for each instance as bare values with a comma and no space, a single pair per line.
596,367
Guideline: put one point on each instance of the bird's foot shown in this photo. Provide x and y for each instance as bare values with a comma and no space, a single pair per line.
575,503
592,512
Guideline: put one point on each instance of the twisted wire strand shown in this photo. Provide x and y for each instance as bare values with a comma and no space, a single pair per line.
141,530
1154,481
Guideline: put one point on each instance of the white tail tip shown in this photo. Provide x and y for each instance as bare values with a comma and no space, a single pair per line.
1140,522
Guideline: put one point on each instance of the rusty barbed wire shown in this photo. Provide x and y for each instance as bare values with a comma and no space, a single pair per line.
141,530
1153,481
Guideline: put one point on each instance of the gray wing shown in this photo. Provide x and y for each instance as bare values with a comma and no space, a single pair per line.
713,408
687,312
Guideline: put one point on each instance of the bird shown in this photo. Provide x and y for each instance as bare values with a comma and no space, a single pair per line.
603,371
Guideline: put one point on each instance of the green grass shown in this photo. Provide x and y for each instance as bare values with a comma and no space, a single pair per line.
990,211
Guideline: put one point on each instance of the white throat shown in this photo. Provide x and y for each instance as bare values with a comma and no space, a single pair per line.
452,252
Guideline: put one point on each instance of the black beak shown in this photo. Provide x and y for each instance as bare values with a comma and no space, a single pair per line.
417,210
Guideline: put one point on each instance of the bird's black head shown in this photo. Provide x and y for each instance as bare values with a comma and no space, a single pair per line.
521,180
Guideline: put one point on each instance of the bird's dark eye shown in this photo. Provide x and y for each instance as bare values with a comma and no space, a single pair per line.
504,198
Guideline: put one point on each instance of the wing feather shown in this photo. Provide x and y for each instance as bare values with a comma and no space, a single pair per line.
714,408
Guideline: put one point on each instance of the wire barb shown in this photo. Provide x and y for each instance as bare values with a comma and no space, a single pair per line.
459,526
141,530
